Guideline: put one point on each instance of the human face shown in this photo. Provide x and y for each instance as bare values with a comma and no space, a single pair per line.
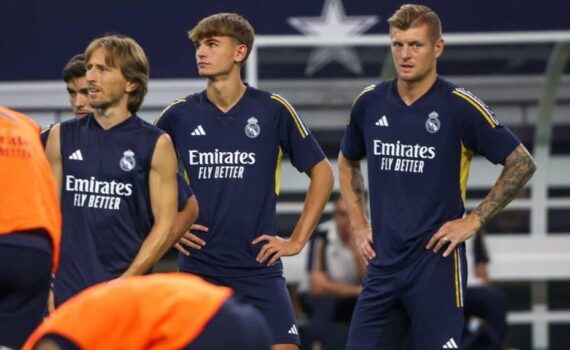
219,55
78,90
107,85
415,54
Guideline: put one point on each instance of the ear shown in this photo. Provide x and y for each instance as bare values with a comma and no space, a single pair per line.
131,86
439,45
240,53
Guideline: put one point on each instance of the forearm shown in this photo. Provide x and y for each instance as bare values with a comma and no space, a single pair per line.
318,194
326,286
153,248
162,187
519,168
185,218
352,191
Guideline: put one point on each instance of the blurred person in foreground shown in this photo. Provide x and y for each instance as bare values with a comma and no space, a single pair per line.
160,311
30,228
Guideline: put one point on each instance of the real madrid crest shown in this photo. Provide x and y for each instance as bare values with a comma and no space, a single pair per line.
432,123
252,129
128,162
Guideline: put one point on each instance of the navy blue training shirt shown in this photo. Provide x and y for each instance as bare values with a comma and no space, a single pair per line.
233,162
105,200
418,160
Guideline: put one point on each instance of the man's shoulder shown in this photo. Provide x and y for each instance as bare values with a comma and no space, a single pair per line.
380,88
72,123
153,129
453,91
179,106
271,98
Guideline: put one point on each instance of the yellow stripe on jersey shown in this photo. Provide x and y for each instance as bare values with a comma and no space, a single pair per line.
482,109
186,177
175,102
466,156
457,284
302,129
365,90
278,172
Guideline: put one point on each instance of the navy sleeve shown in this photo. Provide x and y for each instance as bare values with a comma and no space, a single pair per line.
481,132
184,191
295,138
352,144
165,120
45,134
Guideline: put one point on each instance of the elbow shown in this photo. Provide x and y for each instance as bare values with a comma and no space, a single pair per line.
531,167
328,180
322,174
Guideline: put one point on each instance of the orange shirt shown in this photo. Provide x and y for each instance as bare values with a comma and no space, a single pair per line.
160,311
28,198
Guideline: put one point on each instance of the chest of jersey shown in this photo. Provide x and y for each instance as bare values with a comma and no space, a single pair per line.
103,169
235,146
411,139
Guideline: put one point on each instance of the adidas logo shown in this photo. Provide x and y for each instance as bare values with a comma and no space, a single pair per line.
76,155
450,344
383,121
293,330
199,131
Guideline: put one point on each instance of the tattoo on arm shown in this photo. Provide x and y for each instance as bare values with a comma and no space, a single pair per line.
357,184
519,167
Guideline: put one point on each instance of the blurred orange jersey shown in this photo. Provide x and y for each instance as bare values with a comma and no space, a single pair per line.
28,197
161,311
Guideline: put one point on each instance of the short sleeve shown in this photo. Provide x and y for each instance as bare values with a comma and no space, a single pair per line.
44,135
352,144
166,119
481,132
295,138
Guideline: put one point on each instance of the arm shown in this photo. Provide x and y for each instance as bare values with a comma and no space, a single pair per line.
186,217
184,223
352,191
321,284
163,198
518,169
320,188
53,154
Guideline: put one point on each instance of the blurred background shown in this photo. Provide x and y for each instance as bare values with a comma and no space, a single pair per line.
320,54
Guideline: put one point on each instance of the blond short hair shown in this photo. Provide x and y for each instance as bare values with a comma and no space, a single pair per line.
225,24
412,15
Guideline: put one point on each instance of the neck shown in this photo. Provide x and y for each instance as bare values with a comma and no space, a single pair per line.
225,93
411,91
111,116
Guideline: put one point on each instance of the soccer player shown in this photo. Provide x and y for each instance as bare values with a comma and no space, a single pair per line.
76,85
160,311
116,175
231,138
30,228
418,133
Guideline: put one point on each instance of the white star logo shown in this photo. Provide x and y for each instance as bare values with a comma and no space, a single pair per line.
333,22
